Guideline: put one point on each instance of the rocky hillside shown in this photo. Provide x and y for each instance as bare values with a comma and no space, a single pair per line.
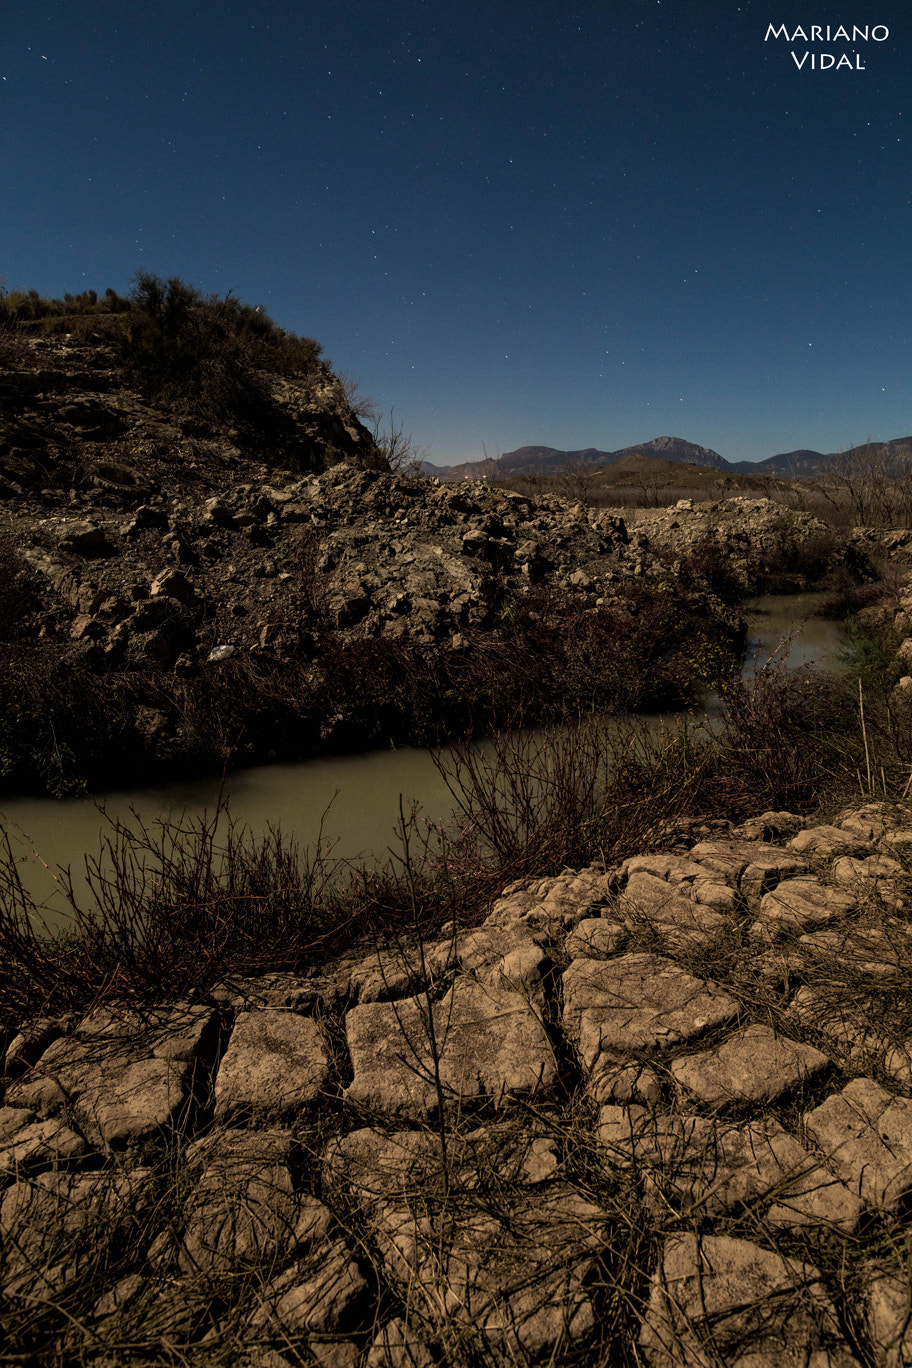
183,591
763,545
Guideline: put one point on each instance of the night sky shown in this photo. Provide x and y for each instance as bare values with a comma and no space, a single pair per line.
555,223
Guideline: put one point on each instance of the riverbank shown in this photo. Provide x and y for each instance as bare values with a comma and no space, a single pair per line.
181,595
508,1101
645,1112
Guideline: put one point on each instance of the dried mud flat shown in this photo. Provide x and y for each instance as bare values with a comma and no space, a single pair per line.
656,1114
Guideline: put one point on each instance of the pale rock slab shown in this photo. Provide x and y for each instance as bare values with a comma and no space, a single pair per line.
616,1008
397,1346
517,1274
624,1084
753,867
848,1022
27,1047
550,906
755,1065
702,1167
312,995
865,1135
50,1222
325,1294
717,1300
897,1063
675,869
899,841
115,1102
391,973
595,938
889,1315
872,820
721,897
244,1208
805,904
649,899
377,1167
481,953
275,1063
769,825
491,1044
860,950
830,840
27,1144
849,870
125,1078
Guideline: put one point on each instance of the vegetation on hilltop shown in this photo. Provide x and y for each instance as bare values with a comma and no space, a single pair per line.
203,354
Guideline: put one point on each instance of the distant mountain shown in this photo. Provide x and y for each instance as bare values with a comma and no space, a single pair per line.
799,464
673,449
796,465
543,460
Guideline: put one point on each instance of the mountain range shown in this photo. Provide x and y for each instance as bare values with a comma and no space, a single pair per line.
543,460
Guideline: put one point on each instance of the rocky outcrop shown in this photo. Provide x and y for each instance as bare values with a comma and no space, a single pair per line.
198,591
661,1110
367,554
765,545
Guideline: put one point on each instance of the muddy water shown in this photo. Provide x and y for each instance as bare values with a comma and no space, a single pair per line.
783,625
354,798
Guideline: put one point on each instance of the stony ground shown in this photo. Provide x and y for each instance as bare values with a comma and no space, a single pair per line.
655,1114
159,541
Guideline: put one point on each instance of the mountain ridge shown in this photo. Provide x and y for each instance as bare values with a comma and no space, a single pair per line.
803,463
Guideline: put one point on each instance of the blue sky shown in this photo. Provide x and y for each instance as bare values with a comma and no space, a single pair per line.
546,222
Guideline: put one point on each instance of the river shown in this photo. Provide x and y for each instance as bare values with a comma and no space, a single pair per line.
355,798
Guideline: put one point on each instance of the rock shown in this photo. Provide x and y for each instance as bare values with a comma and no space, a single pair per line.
386,974
595,938
27,1047
865,1135
849,870
276,1062
27,1144
889,1315
752,866
701,1167
397,1346
517,1278
491,1045
718,1300
323,1295
51,1221
850,1021
128,1079
829,840
879,952
756,1065
215,510
243,1207
638,1003
224,652
86,539
172,584
804,904
652,902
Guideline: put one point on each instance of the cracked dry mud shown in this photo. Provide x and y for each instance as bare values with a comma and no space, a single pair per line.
676,1129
